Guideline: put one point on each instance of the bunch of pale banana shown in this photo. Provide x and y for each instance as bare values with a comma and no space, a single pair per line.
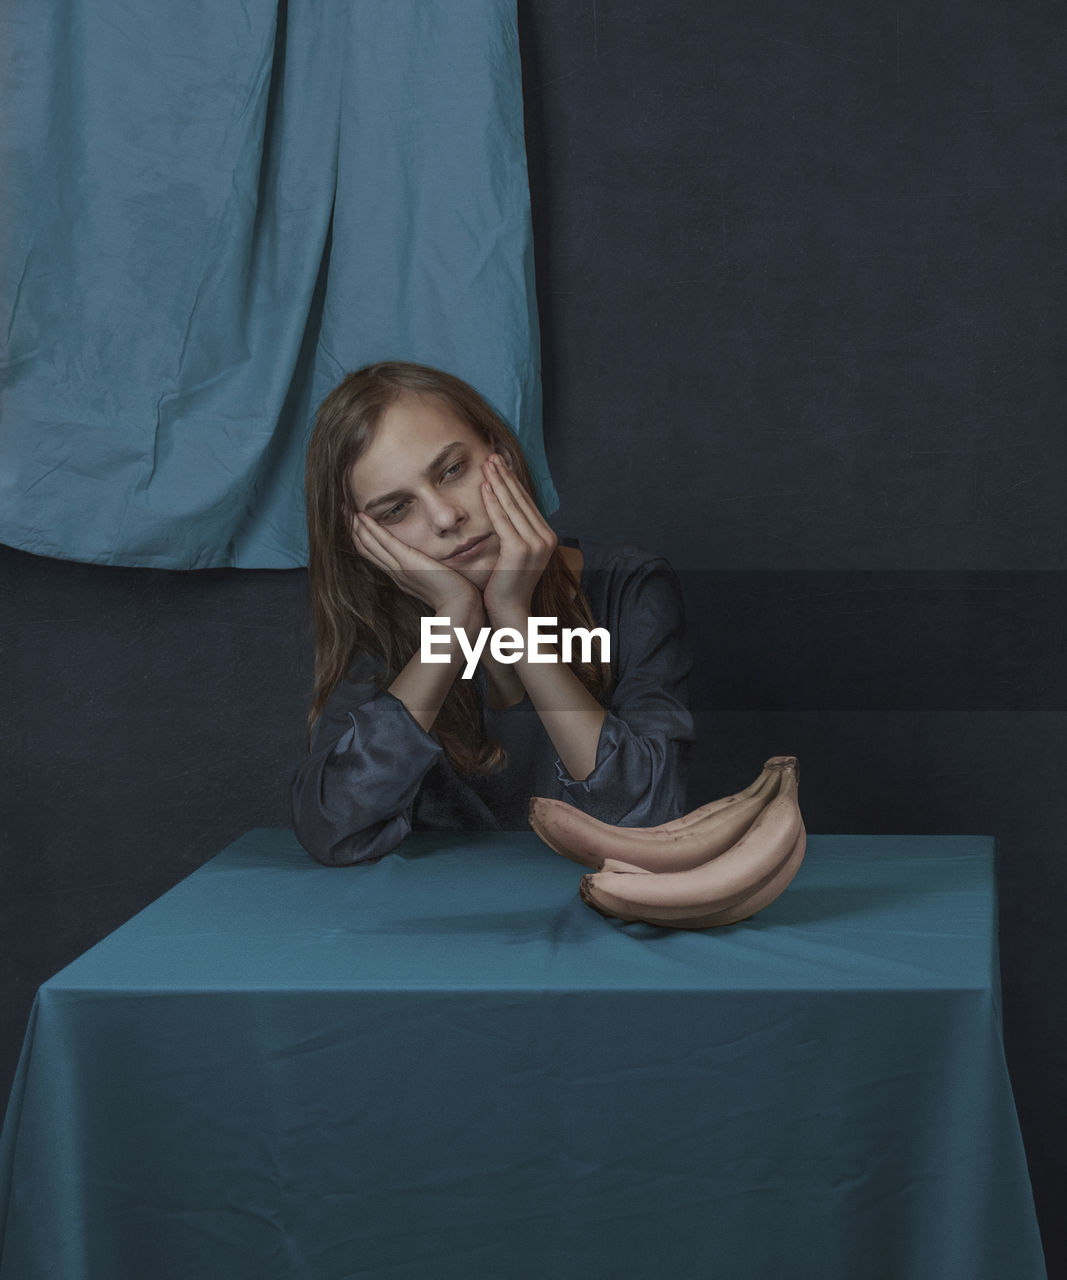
717,865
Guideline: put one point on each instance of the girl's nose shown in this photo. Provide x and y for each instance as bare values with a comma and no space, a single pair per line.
446,516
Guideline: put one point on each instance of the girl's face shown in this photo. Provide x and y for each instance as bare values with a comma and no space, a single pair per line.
421,478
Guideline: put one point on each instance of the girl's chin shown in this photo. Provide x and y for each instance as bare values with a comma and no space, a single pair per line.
478,575
480,569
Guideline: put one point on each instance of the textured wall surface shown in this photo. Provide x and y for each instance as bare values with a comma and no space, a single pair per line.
801,276
801,286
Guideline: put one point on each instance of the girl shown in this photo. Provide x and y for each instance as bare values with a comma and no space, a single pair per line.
419,504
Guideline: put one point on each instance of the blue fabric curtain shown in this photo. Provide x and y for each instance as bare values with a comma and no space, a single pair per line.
213,212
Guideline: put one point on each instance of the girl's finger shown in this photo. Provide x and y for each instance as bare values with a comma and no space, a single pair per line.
391,544
499,518
372,544
522,498
395,553
515,502
372,555
522,510
512,530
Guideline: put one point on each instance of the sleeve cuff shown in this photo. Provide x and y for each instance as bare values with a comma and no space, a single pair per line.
606,749
636,782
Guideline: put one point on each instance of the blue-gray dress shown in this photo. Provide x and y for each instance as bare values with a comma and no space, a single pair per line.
373,773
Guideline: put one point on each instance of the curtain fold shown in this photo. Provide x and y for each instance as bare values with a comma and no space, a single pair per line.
215,211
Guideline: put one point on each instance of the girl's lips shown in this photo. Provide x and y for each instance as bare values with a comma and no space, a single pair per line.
469,549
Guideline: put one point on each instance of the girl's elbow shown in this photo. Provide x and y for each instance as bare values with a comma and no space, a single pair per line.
331,848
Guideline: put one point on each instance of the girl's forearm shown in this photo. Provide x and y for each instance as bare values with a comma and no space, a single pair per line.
571,715
423,686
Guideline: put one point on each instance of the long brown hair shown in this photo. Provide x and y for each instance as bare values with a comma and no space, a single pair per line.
356,606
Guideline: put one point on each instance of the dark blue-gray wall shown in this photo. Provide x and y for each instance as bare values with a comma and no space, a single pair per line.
801,277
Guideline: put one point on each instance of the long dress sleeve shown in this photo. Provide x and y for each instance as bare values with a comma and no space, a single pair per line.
640,774
352,797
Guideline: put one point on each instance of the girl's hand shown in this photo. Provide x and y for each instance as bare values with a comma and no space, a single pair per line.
526,545
446,592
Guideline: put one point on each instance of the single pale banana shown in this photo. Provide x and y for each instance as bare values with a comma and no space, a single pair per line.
752,872
683,918
574,835
675,846
769,775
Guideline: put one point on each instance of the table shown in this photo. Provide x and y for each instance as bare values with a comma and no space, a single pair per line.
446,1065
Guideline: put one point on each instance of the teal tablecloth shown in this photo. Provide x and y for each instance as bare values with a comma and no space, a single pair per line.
445,1065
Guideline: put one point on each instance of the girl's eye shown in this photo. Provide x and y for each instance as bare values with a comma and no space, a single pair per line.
399,507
